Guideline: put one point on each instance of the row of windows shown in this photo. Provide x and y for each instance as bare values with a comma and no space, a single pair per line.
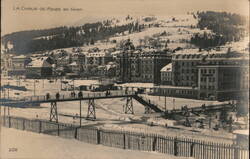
187,63
172,91
210,79
207,71
209,87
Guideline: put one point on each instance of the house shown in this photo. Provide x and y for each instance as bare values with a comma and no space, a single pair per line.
16,65
75,67
39,68
166,74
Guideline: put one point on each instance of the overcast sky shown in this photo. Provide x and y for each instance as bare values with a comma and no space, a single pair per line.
17,20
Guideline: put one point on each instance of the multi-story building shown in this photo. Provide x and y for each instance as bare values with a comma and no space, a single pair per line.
39,68
16,65
141,66
166,74
217,74
223,77
63,61
184,68
97,58
77,57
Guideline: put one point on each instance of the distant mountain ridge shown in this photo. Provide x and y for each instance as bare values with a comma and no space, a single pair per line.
210,29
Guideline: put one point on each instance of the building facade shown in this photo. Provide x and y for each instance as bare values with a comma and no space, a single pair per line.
166,74
139,66
224,79
217,75
16,65
39,68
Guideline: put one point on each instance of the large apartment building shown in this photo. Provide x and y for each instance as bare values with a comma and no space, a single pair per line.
216,74
141,66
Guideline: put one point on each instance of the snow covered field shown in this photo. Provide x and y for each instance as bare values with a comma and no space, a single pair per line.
30,145
110,114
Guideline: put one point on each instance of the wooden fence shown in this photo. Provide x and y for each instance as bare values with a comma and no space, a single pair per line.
131,140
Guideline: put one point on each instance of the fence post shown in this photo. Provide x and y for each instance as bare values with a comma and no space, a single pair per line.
124,140
40,126
4,121
23,124
75,132
154,143
236,152
175,147
98,136
9,122
192,149
58,129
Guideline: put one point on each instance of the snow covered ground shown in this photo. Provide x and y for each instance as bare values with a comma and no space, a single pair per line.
110,113
30,145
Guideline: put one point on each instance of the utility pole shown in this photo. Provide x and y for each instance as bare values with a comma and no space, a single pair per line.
80,113
165,103
173,103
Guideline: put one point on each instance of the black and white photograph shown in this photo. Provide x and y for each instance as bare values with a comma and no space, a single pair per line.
124,79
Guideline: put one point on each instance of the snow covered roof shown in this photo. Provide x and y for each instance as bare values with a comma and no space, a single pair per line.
85,82
242,132
40,62
97,54
197,51
73,64
20,56
167,68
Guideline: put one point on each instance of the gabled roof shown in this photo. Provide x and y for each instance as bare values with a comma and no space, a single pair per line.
20,56
167,68
73,64
40,62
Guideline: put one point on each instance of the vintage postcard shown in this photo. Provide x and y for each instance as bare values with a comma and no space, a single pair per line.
119,79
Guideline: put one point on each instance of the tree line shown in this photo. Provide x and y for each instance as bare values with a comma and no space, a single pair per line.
226,27
63,37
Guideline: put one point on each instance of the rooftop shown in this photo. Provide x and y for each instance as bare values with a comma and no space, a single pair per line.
39,62
167,68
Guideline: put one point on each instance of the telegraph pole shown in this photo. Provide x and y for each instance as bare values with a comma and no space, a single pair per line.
165,103
80,113
173,103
